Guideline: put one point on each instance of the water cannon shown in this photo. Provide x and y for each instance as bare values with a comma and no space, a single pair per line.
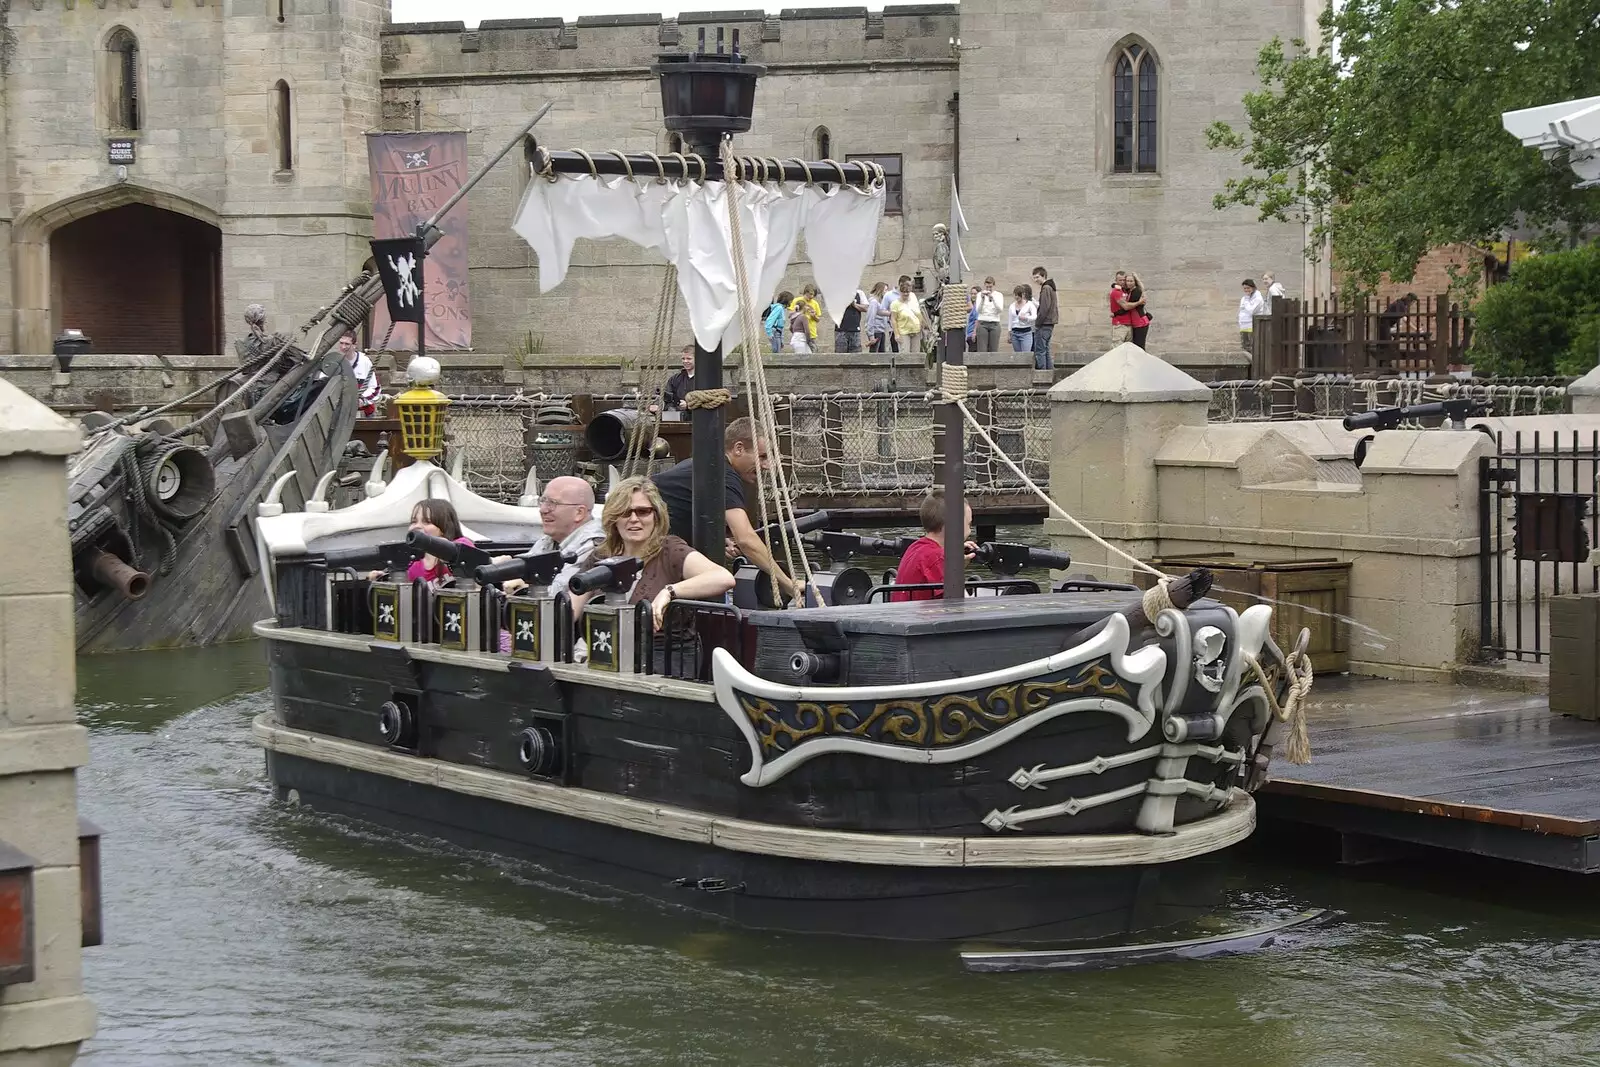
840,546
535,568
453,553
614,575
816,520
388,556
1458,410
1004,557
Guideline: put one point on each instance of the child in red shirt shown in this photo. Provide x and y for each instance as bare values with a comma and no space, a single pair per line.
924,560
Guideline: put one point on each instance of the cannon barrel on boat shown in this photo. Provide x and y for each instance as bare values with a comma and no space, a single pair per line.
804,524
535,568
1457,410
112,573
612,575
1004,557
452,552
389,556
841,545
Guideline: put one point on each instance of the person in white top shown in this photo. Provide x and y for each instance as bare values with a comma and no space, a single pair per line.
1274,290
1250,305
991,313
366,375
1023,314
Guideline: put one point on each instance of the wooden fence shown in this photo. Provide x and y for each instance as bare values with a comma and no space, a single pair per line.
1427,335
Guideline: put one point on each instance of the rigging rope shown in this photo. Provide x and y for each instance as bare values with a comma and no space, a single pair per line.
761,408
653,374
1296,664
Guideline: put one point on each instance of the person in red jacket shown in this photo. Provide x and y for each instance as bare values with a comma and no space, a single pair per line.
924,559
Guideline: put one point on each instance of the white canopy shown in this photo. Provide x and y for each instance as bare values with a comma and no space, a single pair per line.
1574,125
688,223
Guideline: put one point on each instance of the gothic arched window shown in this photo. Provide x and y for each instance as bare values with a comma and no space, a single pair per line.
1133,110
122,79
822,143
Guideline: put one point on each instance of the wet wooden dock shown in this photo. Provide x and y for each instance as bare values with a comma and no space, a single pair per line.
1453,767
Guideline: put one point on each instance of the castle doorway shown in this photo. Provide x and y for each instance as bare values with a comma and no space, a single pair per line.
139,279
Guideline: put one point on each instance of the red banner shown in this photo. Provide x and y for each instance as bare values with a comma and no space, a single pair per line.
413,174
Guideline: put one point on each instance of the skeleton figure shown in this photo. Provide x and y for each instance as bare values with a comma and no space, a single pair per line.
941,252
255,317
405,268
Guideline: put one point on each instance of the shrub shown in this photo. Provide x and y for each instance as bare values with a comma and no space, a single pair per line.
1544,319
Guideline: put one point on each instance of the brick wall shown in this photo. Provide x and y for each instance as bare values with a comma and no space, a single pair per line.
1432,277
137,279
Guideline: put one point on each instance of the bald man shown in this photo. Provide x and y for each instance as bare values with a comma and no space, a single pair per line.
567,511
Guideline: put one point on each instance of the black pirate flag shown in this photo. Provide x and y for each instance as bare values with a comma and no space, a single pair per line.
399,262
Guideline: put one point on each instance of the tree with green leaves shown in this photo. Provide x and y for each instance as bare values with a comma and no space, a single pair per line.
1386,138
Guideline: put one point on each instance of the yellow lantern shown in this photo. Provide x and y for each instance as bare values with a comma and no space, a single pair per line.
420,410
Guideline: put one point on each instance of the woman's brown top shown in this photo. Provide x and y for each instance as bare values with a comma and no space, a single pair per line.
662,571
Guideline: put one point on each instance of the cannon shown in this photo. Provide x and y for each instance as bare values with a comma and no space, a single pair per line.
614,575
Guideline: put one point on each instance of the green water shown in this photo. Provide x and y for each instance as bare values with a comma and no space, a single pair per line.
240,931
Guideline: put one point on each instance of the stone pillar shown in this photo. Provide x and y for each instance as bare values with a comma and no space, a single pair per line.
1107,422
42,1021
1585,394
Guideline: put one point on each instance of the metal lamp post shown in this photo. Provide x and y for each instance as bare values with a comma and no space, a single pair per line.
705,98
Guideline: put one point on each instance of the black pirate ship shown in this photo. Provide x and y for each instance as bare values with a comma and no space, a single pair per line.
1026,769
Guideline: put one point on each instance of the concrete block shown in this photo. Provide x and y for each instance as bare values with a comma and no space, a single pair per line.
36,486
45,1033
61,746
37,662
39,815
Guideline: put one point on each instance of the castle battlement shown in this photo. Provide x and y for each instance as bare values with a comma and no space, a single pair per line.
909,33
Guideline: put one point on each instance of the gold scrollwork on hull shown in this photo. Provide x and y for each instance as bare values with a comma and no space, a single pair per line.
937,722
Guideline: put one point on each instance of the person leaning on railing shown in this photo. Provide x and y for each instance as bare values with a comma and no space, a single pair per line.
635,522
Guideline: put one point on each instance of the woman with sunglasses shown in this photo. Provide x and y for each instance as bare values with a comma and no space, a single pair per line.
635,522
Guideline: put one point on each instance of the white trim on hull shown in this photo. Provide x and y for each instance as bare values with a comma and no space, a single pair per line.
1232,824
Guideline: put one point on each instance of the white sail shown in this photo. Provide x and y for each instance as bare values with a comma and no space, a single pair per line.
687,222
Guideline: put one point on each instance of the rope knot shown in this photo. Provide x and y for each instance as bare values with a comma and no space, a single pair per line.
953,383
1157,598
706,398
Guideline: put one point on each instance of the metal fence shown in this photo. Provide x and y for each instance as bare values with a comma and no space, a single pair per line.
1537,536
1333,396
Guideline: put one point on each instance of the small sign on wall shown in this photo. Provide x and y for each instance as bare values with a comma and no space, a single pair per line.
120,149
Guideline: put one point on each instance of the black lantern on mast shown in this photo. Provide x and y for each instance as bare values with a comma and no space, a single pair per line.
706,95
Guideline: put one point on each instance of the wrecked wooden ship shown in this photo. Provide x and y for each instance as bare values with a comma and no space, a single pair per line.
1029,769
161,517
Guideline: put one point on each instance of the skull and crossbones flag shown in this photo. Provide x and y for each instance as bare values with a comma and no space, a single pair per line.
399,263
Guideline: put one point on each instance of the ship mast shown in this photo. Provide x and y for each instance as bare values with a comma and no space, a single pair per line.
705,96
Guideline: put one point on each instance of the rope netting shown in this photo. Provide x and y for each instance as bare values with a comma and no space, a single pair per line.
831,443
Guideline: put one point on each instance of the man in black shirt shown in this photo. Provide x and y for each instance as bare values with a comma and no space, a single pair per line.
847,338
680,383
744,452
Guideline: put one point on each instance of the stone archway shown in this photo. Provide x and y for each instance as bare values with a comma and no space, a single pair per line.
137,269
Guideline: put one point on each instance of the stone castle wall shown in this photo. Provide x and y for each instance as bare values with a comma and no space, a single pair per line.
1037,181
878,86
1018,89
206,146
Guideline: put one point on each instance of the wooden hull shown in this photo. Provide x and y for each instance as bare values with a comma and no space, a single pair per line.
1019,905
213,591
652,796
